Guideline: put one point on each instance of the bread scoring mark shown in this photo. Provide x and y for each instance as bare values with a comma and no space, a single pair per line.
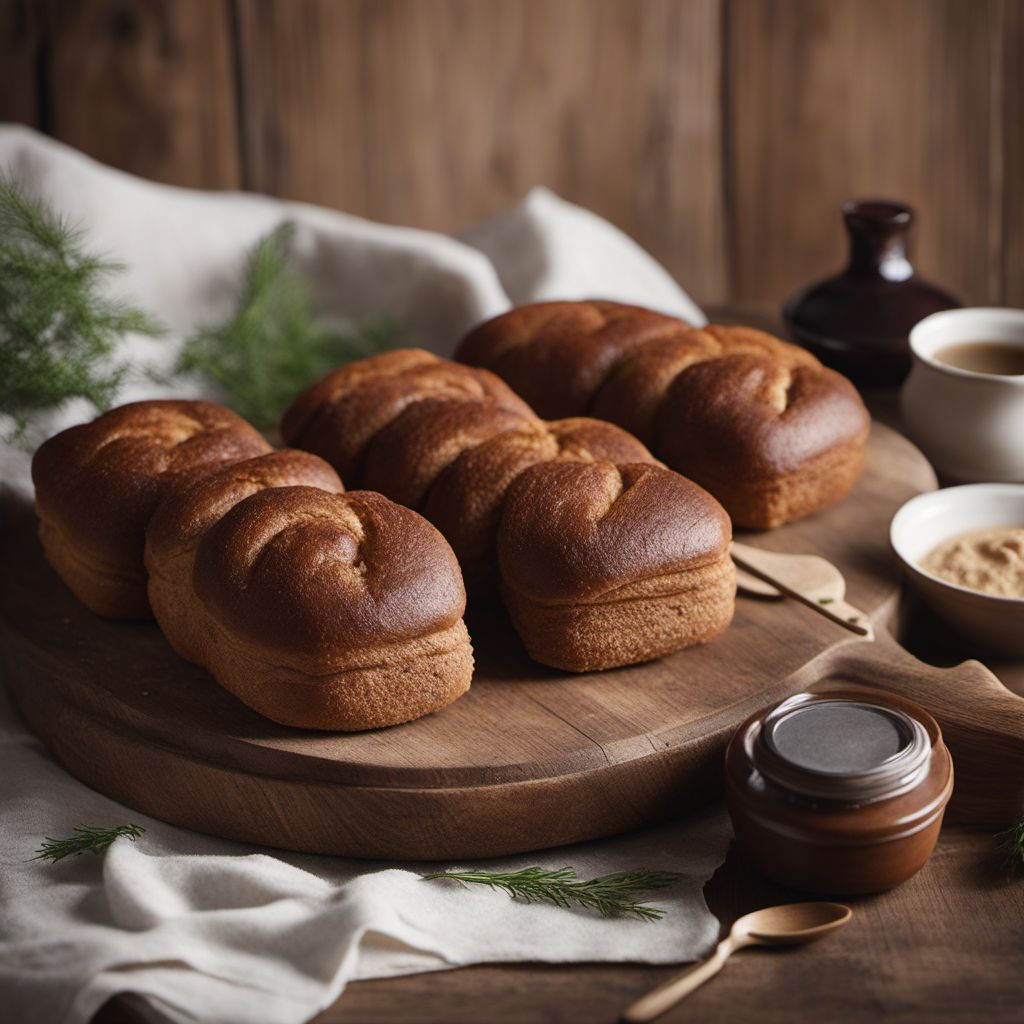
190,511
280,527
570,449
779,390
669,332
613,486
158,442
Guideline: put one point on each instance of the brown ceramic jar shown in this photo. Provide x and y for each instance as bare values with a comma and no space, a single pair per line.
859,320
840,792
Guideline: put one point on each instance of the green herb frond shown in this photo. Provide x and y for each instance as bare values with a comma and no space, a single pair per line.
272,346
1011,844
86,839
58,331
613,895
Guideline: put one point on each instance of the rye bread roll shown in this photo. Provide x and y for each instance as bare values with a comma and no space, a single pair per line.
760,423
98,485
332,611
190,511
599,568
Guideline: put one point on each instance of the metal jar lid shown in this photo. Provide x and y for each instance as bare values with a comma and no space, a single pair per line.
841,749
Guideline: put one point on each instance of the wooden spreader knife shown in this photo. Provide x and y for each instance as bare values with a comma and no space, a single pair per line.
812,580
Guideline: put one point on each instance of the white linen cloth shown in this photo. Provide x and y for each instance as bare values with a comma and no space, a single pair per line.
203,929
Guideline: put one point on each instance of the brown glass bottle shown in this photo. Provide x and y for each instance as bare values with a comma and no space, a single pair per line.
835,828
858,321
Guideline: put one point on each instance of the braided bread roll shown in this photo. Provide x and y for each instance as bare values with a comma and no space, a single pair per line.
603,565
760,423
98,485
603,556
318,609
189,512
332,611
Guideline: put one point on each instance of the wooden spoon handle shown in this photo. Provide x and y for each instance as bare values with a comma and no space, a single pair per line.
790,576
982,723
666,995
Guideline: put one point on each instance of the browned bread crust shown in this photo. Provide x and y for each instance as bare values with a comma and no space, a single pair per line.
333,611
760,423
318,609
98,485
457,444
189,512
341,414
588,589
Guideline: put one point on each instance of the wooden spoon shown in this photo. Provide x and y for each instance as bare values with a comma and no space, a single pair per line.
789,925
810,579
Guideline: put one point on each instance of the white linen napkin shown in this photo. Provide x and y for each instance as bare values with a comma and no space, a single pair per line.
202,929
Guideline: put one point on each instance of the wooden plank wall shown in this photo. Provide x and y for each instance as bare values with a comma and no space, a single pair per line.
722,134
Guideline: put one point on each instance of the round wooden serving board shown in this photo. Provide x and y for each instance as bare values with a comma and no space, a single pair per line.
529,758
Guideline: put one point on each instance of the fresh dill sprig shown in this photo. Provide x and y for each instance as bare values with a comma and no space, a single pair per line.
58,332
1011,844
85,839
271,347
610,895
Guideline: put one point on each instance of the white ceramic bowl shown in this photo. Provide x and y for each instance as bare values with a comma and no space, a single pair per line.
922,523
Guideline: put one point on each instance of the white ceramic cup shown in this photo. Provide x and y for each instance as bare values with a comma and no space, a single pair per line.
970,425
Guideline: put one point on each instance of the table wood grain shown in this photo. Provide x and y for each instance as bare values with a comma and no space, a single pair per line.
829,100
721,134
